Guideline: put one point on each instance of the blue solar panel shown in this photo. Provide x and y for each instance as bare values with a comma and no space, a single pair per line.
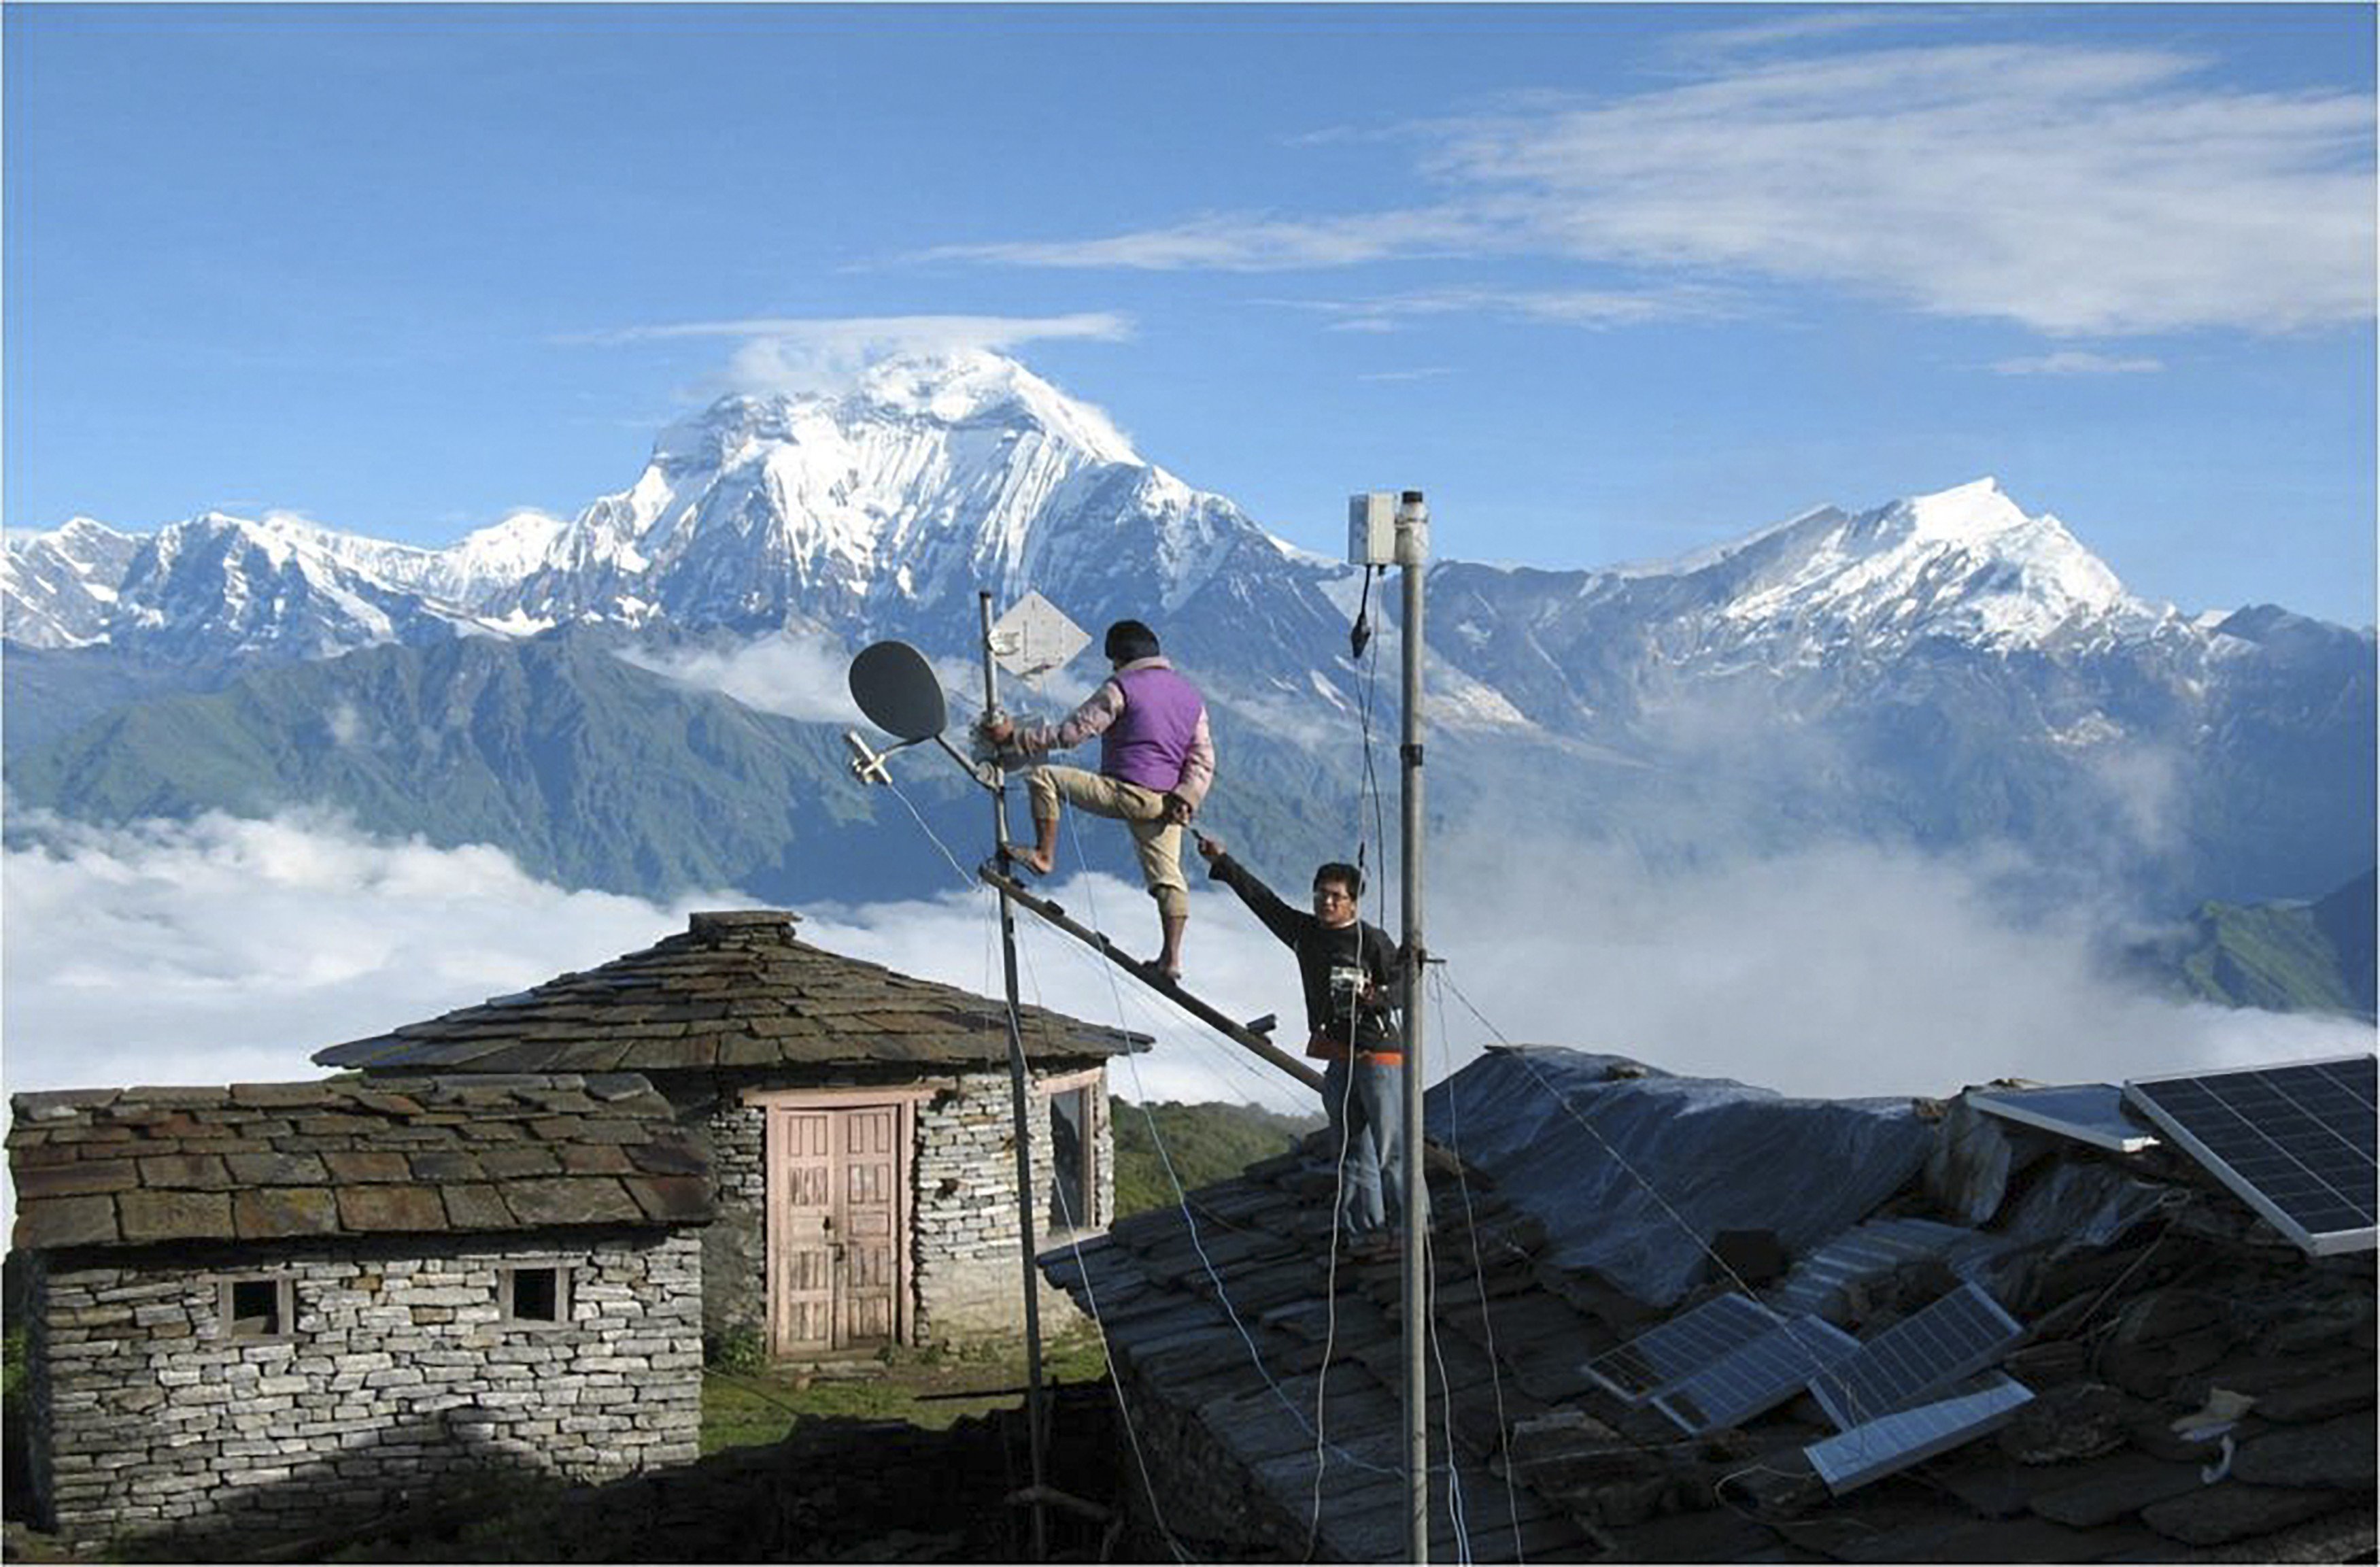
2294,1141
1879,1446
1957,1336
1755,1378
1653,1359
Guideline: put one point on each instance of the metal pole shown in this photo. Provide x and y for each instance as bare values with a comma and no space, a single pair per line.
1019,1099
1413,557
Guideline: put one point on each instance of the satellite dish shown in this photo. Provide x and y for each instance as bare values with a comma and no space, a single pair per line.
896,688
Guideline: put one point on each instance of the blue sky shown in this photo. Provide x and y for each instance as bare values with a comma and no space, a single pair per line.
1610,282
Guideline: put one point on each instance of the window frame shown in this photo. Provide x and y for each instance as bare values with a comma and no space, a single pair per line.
285,1306
1086,1083
565,1296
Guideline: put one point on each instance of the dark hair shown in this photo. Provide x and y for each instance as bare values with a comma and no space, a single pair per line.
1346,875
1129,640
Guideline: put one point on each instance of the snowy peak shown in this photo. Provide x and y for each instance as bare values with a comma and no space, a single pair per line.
59,588
1967,563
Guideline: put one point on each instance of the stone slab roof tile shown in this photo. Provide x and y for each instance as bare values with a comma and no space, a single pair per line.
270,1160
747,993
2107,1489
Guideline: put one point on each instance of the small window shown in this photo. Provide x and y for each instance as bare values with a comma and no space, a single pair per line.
1073,1185
538,1297
263,1308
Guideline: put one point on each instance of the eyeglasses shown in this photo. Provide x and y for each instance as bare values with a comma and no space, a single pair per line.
1330,896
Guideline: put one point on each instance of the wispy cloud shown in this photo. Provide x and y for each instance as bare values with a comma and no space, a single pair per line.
1252,242
2072,189
1585,308
2079,362
798,353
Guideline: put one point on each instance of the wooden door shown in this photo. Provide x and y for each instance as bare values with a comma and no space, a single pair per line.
835,1227
868,1278
801,1231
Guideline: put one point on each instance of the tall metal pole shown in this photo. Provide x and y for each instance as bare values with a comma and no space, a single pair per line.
1019,1098
1413,557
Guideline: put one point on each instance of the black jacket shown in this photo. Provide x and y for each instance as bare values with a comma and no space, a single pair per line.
1332,1014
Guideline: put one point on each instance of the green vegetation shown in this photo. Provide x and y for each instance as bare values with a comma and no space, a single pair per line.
741,1408
1204,1143
2283,957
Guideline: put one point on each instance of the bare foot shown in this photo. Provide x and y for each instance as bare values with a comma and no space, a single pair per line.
1033,861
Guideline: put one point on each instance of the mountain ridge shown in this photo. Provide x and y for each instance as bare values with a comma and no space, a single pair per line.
1938,670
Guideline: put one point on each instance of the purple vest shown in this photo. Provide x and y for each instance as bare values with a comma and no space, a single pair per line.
1151,739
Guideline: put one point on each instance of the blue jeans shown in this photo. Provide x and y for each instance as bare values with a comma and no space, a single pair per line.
1370,1125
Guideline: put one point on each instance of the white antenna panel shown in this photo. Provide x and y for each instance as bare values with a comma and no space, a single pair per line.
1035,636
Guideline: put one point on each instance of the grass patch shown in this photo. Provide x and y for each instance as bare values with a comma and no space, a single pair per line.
924,1388
1204,1143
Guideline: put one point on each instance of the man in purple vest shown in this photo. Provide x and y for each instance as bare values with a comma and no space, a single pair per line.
1156,760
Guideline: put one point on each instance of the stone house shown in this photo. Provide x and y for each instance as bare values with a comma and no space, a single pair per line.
272,1306
858,1123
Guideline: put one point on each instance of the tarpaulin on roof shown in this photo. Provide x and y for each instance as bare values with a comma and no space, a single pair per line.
1559,1136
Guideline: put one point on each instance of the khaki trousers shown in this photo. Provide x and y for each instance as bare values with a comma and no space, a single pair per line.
1157,841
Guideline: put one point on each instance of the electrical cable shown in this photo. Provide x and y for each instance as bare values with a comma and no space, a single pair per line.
1478,1277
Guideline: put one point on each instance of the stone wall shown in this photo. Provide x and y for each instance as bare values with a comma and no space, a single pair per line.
150,1418
964,1273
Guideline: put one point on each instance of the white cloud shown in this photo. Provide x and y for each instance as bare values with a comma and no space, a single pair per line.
787,673
2071,188
2079,362
224,950
1249,242
806,354
1587,308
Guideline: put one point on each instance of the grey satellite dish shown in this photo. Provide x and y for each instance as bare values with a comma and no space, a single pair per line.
896,688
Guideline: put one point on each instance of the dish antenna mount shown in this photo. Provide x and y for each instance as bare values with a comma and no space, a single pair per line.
901,695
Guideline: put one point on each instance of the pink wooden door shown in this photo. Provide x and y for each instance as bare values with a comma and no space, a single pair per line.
801,1231
868,1228
834,1228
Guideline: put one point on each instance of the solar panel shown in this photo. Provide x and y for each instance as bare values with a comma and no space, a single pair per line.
2088,1113
1879,1446
2294,1141
1653,1359
1958,1335
1818,1281
1755,1378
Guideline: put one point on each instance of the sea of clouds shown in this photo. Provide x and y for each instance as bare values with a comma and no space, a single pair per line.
227,949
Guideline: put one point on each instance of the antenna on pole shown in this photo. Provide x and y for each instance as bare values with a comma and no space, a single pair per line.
1017,1094
1384,530
901,695
1413,556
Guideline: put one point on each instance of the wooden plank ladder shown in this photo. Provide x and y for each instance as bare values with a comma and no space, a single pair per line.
1150,974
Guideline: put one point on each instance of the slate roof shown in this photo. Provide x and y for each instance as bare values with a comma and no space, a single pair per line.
2128,1333
735,990
254,1161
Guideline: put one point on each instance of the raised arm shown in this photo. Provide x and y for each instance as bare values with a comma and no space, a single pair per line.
1284,921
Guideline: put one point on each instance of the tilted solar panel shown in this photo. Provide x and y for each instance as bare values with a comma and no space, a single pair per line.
1957,1336
1658,1356
2088,1113
2293,1140
1755,1378
1879,1446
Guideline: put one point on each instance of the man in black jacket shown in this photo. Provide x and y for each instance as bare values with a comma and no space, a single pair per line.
1352,973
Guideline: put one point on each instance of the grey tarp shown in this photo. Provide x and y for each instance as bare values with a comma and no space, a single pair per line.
1723,1155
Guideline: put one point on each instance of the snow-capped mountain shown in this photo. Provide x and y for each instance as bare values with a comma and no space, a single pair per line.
1938,667
885,506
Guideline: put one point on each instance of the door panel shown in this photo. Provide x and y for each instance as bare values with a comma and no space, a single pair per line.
801,1231
834,1227
869,1225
